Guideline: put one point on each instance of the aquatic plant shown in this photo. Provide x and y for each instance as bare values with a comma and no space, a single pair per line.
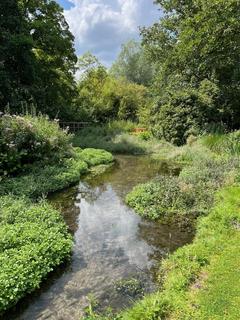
33,240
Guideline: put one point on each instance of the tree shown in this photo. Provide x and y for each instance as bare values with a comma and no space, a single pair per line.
17,61
198,40
87,62
102,97
40,48
133,64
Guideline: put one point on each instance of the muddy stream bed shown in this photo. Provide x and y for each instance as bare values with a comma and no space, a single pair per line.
111,243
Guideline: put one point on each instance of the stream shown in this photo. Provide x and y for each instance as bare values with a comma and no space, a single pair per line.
111,243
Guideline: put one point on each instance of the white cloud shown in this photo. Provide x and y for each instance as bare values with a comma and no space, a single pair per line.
101,26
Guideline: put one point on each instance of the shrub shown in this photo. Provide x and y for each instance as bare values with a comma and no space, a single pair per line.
24,140
184,112
33,240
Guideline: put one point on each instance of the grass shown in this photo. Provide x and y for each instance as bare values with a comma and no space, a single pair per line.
118,137
33,240
40,180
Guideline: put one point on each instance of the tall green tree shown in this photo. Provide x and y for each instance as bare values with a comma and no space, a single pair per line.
17,61
195,41
102,97
133,64
43,59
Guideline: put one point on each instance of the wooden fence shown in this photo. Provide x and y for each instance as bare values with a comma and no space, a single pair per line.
74,126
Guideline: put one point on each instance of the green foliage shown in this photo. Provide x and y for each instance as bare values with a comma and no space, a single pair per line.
41,179
223,143
190,49
24,140
33,240
184,112
157,199
192,192
102,97
37,57
133,65
94,157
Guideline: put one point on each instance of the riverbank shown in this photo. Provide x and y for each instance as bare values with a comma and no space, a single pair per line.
34,239
198,281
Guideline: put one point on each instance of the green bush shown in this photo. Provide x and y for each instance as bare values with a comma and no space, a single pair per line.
24,140
33,240
184,112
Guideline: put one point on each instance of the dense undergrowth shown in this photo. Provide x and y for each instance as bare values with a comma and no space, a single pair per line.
25,140
118,137
36,159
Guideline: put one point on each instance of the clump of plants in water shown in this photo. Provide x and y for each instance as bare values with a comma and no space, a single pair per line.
41,179
192,192
131,287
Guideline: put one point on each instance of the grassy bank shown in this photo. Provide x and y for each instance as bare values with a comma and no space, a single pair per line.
118,137
199,281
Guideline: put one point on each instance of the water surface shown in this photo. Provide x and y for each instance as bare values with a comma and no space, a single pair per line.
111,243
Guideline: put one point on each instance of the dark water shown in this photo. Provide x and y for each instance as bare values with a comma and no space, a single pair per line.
111,243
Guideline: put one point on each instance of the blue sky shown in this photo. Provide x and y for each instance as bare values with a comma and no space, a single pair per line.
101,26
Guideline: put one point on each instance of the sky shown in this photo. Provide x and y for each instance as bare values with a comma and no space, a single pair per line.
101,26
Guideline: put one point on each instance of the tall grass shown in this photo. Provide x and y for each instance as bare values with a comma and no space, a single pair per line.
118,137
